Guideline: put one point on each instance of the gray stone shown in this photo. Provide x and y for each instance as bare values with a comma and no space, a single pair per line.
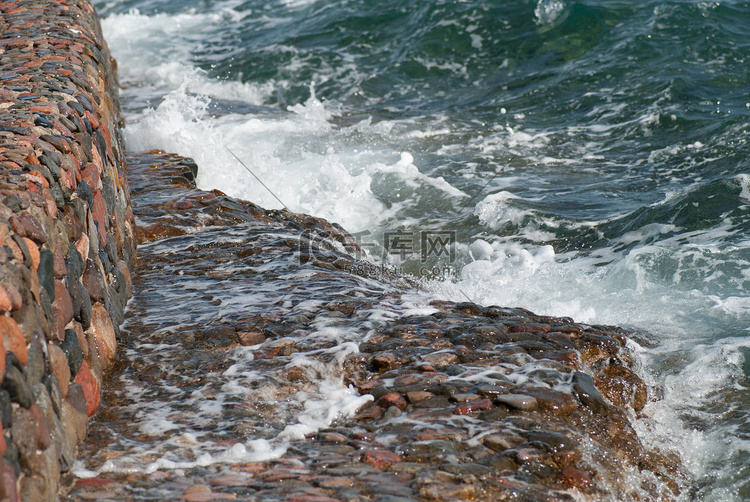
11,456
517,401
16,385
588,394
74,417
71,346
53,389
24,435
34,369
6,409
41,397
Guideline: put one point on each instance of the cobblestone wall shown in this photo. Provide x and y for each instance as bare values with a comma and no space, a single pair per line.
66,236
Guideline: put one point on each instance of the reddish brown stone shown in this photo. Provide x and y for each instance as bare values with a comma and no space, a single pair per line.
91,388
575,477
370,385
202,493
553,401
15,249
159,230
91,175
434,432
333,437
384,362
104,334
82,245
252,467
530,327
42,426
333,482
622,387
27,225
92,482
62,309
392,399
59,268
440,491
10,298
285,473
183,204
441,359
36,177
33,251
99,214
251,337
230,479
406,380
369,413
380,459
567,357
13,339
417,396
93,281
60,367
312,498
472,407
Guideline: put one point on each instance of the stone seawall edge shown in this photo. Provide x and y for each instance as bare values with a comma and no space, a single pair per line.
67,236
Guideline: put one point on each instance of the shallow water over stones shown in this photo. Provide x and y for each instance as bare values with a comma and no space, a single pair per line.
262,361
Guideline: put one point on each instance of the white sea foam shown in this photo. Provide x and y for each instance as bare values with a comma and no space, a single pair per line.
155,50
547,11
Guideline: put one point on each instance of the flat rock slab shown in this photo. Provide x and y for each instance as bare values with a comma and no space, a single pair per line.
237,320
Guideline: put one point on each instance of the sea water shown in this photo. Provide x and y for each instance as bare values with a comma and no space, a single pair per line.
585,159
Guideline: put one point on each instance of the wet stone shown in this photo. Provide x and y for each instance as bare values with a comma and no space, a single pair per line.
433,402
380,459
502,442
418,396
588,394
494,414
471,407
517,401
623,387
405,444
392,399
555,441
91,388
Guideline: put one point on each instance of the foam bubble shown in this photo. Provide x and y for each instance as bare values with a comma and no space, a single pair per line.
547,11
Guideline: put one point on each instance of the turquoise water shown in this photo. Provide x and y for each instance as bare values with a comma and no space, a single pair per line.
587,159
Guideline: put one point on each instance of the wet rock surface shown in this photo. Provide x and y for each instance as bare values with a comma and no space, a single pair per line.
64,208
263,361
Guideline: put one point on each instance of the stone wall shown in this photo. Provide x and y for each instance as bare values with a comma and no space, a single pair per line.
66,236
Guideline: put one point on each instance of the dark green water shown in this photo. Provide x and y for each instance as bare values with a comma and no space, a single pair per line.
590,159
